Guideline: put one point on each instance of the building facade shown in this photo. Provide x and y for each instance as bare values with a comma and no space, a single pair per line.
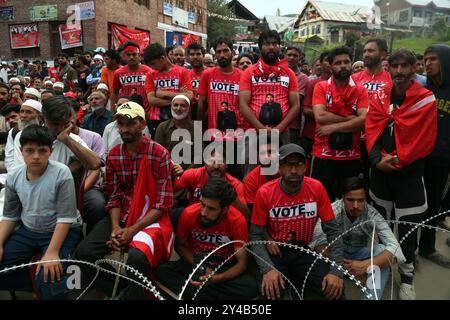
413,13
37,29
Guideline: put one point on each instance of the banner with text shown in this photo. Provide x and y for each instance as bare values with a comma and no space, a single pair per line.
121,35
24,36
70,37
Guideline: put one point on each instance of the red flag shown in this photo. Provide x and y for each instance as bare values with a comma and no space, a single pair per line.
156,240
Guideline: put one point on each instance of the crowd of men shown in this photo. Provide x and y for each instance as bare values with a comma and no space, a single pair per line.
95,143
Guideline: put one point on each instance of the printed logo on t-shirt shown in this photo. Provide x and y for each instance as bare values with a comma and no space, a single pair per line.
373,86
197,193
133,79
214,238
282,80
307,210
224,87
167,83
195,84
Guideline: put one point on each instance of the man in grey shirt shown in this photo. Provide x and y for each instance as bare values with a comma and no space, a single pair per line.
40,195
351,211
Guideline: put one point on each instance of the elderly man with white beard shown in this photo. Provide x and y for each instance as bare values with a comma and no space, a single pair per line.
30,113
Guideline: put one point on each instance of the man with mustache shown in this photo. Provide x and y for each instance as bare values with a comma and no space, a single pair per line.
339,106
202,228
401,128
292,205
30,113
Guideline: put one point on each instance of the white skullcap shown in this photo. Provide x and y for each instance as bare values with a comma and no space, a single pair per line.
33,104
48,82
102,86
182,96
14,79
58,85
33,92
97,56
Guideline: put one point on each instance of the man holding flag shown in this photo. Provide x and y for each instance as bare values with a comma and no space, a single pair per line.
138,184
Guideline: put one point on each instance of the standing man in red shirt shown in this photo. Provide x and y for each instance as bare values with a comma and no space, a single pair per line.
287,210
373,79
163,83
129,80
340,108
202,228
196,54
269,75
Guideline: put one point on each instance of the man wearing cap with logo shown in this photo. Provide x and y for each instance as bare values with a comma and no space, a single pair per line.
291,206
130,79
30,113
129,166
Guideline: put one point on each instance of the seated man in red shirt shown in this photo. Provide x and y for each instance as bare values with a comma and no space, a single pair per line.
194,179
202,228
287,210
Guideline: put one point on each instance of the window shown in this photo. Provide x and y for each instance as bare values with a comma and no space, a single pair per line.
145,3
428,15
404,16
318,30
417,13
26,52
313,30
302,33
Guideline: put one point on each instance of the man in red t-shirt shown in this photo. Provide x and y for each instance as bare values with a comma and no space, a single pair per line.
269,75
340,108
163,83
204,227
287,210
219,91
193,180
373,78
129,80
196,53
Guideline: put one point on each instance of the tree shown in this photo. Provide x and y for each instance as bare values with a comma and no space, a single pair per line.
220,23
442,29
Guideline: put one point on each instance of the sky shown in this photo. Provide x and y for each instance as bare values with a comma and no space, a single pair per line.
269,7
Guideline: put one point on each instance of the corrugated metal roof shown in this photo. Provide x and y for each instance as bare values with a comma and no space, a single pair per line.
437,3
279,23
341,12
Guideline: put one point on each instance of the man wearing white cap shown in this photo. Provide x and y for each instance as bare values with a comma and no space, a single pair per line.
14,80
96,72
32,93
58,87
30,113
48,85
4,72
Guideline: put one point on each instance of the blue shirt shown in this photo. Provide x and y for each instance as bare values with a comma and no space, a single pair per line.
92,123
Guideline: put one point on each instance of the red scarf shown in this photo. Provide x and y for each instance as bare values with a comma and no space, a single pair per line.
271,71
415,122
344,99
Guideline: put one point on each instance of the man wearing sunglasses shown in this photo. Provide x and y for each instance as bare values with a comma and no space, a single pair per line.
288,208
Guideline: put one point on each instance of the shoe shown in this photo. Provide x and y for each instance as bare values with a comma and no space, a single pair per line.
439,259
407,292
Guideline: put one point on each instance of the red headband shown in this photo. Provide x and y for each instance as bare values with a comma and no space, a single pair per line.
131,49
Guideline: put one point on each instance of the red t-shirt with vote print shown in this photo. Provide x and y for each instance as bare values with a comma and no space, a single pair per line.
220,88
204,240
372,83
282,213
195,80
171,81
132,82
260,86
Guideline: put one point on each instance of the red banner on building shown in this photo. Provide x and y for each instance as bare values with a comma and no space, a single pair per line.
24,36
70,37
188,39
121,35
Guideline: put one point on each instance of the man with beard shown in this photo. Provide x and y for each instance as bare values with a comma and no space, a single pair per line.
220,84
196,54
401,128
30,113
340,107
292,204
68,148
66,74
373,79
179,57
203,227
99,117
146,238
437,164
166,81
215,167
269,75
